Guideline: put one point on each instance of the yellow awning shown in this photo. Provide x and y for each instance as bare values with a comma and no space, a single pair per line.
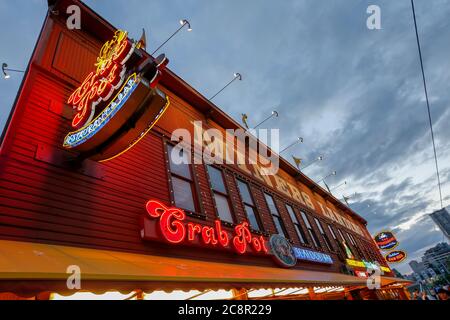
33,267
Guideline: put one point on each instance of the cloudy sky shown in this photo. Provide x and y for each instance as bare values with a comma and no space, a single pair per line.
354,94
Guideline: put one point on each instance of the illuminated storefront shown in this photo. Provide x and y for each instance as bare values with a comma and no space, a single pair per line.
87,180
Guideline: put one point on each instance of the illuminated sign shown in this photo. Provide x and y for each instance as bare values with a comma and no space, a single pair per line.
386,240
396,256
366,264
355,263
117,104
348,252
361,274
313,256
173,228
385,269
282,251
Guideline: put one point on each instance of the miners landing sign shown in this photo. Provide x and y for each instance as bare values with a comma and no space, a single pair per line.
117,103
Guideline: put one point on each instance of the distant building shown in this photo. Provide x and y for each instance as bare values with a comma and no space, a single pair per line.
417,267
437,258
442,219
398,274
434,261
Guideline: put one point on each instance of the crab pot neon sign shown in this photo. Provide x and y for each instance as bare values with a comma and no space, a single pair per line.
171,226
117,104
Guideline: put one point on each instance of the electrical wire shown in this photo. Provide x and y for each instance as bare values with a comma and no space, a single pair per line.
428,104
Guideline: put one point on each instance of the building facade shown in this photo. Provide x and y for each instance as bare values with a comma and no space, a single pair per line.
141,220
442,220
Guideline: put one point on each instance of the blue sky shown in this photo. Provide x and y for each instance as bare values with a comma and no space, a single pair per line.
354,94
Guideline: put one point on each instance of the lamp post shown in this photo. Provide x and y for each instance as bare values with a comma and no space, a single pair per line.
333,173
274,113
338,186
183,23
236,75
319,158
5,68
299,140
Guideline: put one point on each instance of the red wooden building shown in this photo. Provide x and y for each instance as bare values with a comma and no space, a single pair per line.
62,207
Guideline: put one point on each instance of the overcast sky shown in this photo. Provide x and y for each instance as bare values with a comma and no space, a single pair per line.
354,94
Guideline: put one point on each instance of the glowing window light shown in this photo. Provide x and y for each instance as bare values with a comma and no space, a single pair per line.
260,293
183,295
319,289
289,291
110,295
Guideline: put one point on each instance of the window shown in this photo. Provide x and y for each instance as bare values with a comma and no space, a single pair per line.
310,230
340,245
324,235
279,225
348,251
181,177
249,205
220,194
352,240
297,225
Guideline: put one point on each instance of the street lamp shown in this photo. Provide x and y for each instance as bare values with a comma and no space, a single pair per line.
319,158
340,185
236,75
5,68
333,173
299,140
274,113
183,23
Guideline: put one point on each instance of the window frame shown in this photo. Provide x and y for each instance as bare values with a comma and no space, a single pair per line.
253,205
199,210
278,215
312,234
297,225
227,195
324,234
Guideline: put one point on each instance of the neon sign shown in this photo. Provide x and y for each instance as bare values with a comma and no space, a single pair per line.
174,229
386,240
313,256
117,103
74,139
100,84
396,256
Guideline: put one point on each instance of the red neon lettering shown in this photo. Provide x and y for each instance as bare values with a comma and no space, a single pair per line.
170,221
174,230
221,234
208,235
98,85
192,230
263,244
256,244
242,237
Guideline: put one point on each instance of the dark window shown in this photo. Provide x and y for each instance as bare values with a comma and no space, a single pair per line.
297,225
339,244
345,245
324,235
249,205
181,177
220,194
279,225
311,232
355,245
